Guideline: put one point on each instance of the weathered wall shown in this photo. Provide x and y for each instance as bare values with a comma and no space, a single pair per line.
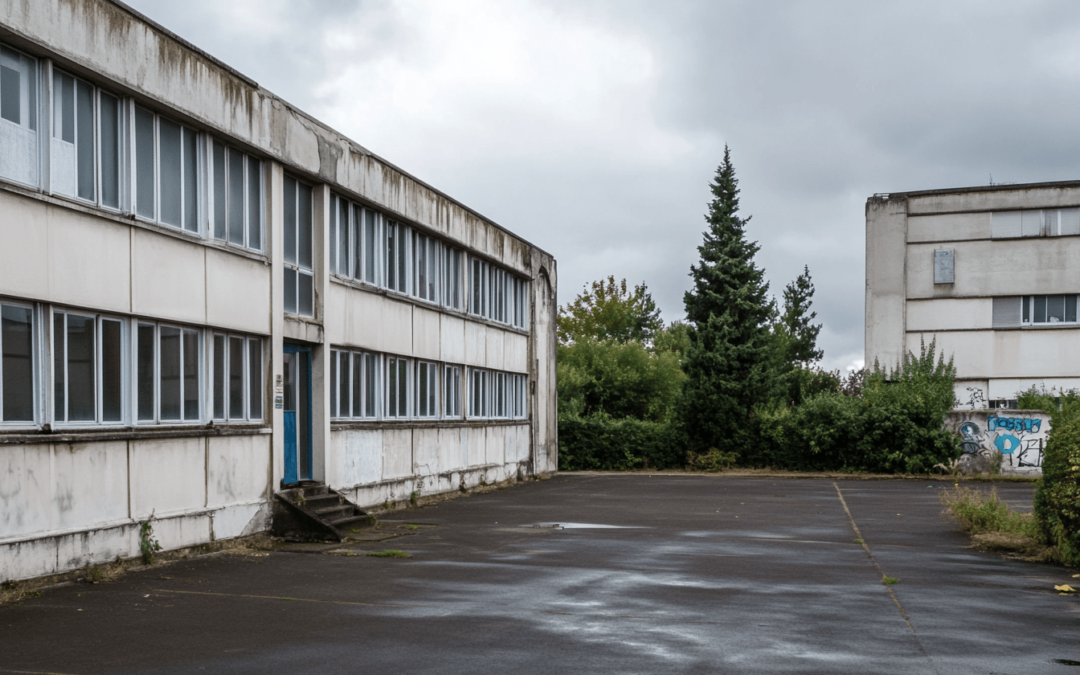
1018,435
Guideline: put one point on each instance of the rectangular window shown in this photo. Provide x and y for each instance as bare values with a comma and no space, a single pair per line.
17,391
397,274
236,196
496,294
452,391
425,257
427,389
299,270
18,117
88,368
496,395
237,378
451,277
168,373
371,226
340,231
1047,309
1035,223
397,387
166,171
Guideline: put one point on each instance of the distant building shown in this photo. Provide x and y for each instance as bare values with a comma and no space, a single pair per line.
207,295
991,273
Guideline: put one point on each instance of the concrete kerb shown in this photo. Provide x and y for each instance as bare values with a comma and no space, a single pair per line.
823,475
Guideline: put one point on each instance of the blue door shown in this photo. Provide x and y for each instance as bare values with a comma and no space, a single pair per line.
297,408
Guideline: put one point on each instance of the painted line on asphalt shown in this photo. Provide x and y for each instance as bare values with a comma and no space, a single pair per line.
286,599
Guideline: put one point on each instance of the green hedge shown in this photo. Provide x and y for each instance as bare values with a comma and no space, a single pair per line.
1057,501
607,444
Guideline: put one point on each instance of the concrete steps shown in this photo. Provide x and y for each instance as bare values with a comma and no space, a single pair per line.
315,512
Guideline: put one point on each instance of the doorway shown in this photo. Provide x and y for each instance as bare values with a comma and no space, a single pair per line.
297,413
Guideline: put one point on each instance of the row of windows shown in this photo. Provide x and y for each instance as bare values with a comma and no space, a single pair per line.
1048,309
1035,223
109,370
366,246
108,151
364,385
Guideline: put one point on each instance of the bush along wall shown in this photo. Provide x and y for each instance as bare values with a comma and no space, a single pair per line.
601,443
1057,500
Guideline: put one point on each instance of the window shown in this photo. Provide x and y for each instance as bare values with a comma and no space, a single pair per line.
17,392
1035,223
397,271
496,395
451,277
237,366
452,391
299,270
18,117
397,387
236,197
353,240
167,373
353,385
425,256
1048,309
166,171
427,389
86,145
496,294
88,368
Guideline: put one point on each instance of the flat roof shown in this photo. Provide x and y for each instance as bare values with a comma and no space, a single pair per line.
1000,187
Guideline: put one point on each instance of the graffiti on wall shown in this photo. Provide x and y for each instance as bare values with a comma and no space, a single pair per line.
1018,436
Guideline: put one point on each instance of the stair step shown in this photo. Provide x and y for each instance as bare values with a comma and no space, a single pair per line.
330,513
314,511
322,501
351,521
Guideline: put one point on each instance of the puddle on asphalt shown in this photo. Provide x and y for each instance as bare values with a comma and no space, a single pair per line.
584,526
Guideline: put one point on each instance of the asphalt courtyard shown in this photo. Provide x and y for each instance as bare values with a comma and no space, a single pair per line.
650,574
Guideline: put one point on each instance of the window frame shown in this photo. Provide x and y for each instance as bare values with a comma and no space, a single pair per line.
199,177
1029,307
429,371
32,97
207,148
393,363
296,267
247,397
156,402
38,346
98,319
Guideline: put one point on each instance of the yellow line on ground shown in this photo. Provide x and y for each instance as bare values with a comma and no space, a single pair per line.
284,598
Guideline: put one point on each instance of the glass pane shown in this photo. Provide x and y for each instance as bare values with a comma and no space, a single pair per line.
334,359
170,373
369,246
191,374
144,163
254,214
59,371
145,372
403,387
357,385
16,364
18,89
370,380
1025,315
80,368
1070,221
63,107
306,293
10,94
391,386
191,181
1055,308
403,269
220,203
112,371
303,215
219,377
1070,308
1040,309
169,172
421,397
391,276
343,384
110,150
255,366
84,148
290,290
420,261
289,213
236,378
236,197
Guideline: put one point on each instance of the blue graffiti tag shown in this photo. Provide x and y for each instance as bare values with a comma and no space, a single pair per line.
1006,443
1014,424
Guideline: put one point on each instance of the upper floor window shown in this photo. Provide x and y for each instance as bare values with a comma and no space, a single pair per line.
425,255
397,387
166,171
354,238
1052,309
18,117
451,277
236,203
427,389
496,395
452,391
17,337
397,253
496,294
299,269
86,141
1035,223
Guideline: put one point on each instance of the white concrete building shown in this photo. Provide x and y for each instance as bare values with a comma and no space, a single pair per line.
992,273
206,294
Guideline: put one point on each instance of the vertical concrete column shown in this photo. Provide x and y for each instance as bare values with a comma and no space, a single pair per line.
323,468
886,280
275,238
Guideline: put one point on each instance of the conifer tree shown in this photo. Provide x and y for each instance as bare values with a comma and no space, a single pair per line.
728,364
796,327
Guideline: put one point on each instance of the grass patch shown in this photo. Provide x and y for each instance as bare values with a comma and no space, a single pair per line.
389,553
412,527
994,526
890,581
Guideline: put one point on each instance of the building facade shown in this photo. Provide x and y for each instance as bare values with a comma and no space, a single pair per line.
991,273
206,294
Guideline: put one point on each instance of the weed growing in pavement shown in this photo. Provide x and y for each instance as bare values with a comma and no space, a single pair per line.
388,505
858,541
389,553
414,498
148,545
978,511
371,519
412,527
890,581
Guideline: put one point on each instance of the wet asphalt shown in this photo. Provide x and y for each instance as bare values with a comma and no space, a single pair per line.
704,574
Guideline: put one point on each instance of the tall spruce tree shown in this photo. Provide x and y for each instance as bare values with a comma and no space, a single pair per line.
728,364
796,327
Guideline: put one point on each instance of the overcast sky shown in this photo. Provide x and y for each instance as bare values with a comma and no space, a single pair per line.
592,128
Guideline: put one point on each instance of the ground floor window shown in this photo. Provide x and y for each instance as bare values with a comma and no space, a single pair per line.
237,366
17,393
496,395
354,389
88,368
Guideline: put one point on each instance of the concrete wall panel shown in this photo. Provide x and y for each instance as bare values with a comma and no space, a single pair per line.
1000,267
475,344
452,339
950,314
494,343
89,484
237,292
363,459
495,452
379,323
397,453
167,476
425,452
886,234
453,452
948,227
90,261
476,442
336,322
1009,199
26,488
515,353
1023,354
426,334
238,469
169,279
25,264
240,520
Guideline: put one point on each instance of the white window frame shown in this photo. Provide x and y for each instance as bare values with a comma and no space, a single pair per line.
30,167
38,342
200,173
125,369
451,392
207,151
428,409
1027,310
296,266
391,365
200,370
247,396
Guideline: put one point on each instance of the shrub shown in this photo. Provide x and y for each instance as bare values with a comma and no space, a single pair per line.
619,380
602,443
978,512
1057,501
712,461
